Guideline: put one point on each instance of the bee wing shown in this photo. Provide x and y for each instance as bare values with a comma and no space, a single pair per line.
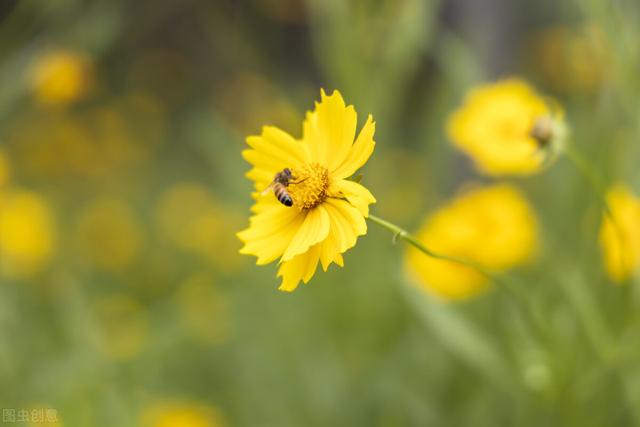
267,190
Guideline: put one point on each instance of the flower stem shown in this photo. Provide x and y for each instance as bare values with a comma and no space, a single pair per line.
513,288
588,173
401,233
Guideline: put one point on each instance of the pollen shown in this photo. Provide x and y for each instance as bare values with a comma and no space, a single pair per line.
309,186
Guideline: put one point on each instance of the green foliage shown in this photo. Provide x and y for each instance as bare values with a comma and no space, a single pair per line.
144,299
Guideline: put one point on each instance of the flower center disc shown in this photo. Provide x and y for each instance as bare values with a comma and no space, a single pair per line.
309,185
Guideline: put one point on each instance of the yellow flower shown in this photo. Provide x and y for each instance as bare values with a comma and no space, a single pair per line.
329,211
26,233
492,226
180,414
60,77
620,241
507,128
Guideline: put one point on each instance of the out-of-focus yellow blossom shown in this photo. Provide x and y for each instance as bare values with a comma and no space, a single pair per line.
60,77
329,211
620,241
5,170
108,234
26,233
204,309
573,59
507,128
180,414
122,324
492,226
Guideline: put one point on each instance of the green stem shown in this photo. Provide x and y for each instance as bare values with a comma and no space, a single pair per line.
401,233
588,173
513,288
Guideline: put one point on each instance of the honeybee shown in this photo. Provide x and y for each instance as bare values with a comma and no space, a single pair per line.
279,186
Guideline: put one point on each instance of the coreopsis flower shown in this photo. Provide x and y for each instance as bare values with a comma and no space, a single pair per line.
620,240
328,211
60,77
26,233
493,227
507,128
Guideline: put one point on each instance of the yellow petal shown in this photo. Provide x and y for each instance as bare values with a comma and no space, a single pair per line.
329,130
313,230
330,252
260,177
264,202
270,232
271,152
301,267
356,194
347,223
360,151
620,240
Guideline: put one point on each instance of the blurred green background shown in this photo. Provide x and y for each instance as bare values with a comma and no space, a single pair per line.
123,301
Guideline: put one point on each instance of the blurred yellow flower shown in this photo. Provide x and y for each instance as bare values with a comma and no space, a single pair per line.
507,128
26,233
180,414
108,234
620,241
204,309
328,211
60,77
122,324
493,226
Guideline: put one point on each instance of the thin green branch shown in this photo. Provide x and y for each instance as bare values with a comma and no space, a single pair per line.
512,288
401,233
587,171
